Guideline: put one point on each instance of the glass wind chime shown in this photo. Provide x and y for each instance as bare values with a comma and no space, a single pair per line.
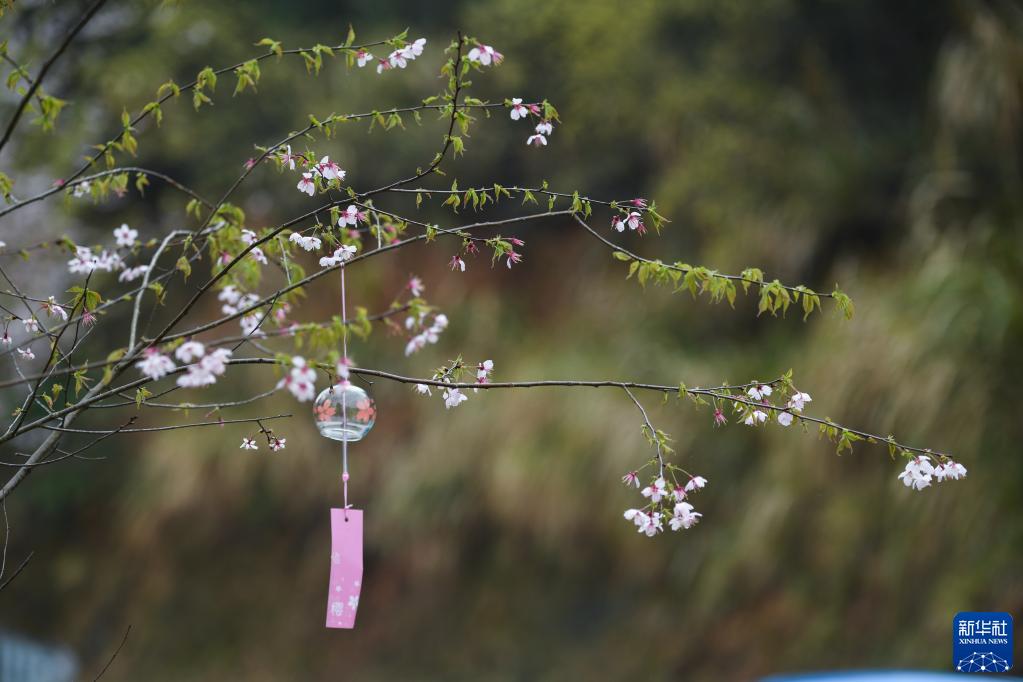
345,413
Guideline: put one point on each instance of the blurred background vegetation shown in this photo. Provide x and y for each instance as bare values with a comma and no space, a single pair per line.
870,143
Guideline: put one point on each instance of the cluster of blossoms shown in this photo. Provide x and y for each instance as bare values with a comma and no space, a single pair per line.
326,171
398,59
757,413
235,301
86,262
919,472
630,219
425,333
664,504
453,397
203,367
300,380
208,367
523,111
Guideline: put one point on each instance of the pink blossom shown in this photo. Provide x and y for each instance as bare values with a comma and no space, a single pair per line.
517,110
485,55
537,140
631,478
307,184
457,263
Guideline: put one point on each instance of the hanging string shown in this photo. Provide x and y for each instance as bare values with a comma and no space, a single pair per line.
344,394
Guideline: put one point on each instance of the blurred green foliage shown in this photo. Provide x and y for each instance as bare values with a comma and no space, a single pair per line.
874,144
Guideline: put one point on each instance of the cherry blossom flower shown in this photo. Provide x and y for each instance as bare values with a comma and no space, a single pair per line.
638,203
485,55
277,444
544,128
798,401
189,350
287,158
637,516
216,362
249,444
31,325
81,189
758,392
307,184
755,417
27,353
453,397
196,377
250,324
397,59
132,274
415,286
155,364
656,491
329,170
917,474
429,334
684,516
695,483
719,417
635,222
301,380
785,418
679,493
351,216
125,236
422,389
415,48
537,140
651,524
85,261
457,263
617,224
6,339
483,371
341,254
513,257
362,58
631,478
88,318
307,243
950,470
343,368
517,110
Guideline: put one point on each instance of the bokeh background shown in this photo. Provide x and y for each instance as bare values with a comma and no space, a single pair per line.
874,144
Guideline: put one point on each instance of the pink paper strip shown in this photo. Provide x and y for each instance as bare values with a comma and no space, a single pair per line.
345,568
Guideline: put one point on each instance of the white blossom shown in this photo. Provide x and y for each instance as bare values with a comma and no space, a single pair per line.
248,444
341,254
684,516
453,397
656,491
307,243
917,474
125,236
155,364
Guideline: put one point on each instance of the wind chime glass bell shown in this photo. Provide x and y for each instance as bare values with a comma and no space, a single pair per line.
344,412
